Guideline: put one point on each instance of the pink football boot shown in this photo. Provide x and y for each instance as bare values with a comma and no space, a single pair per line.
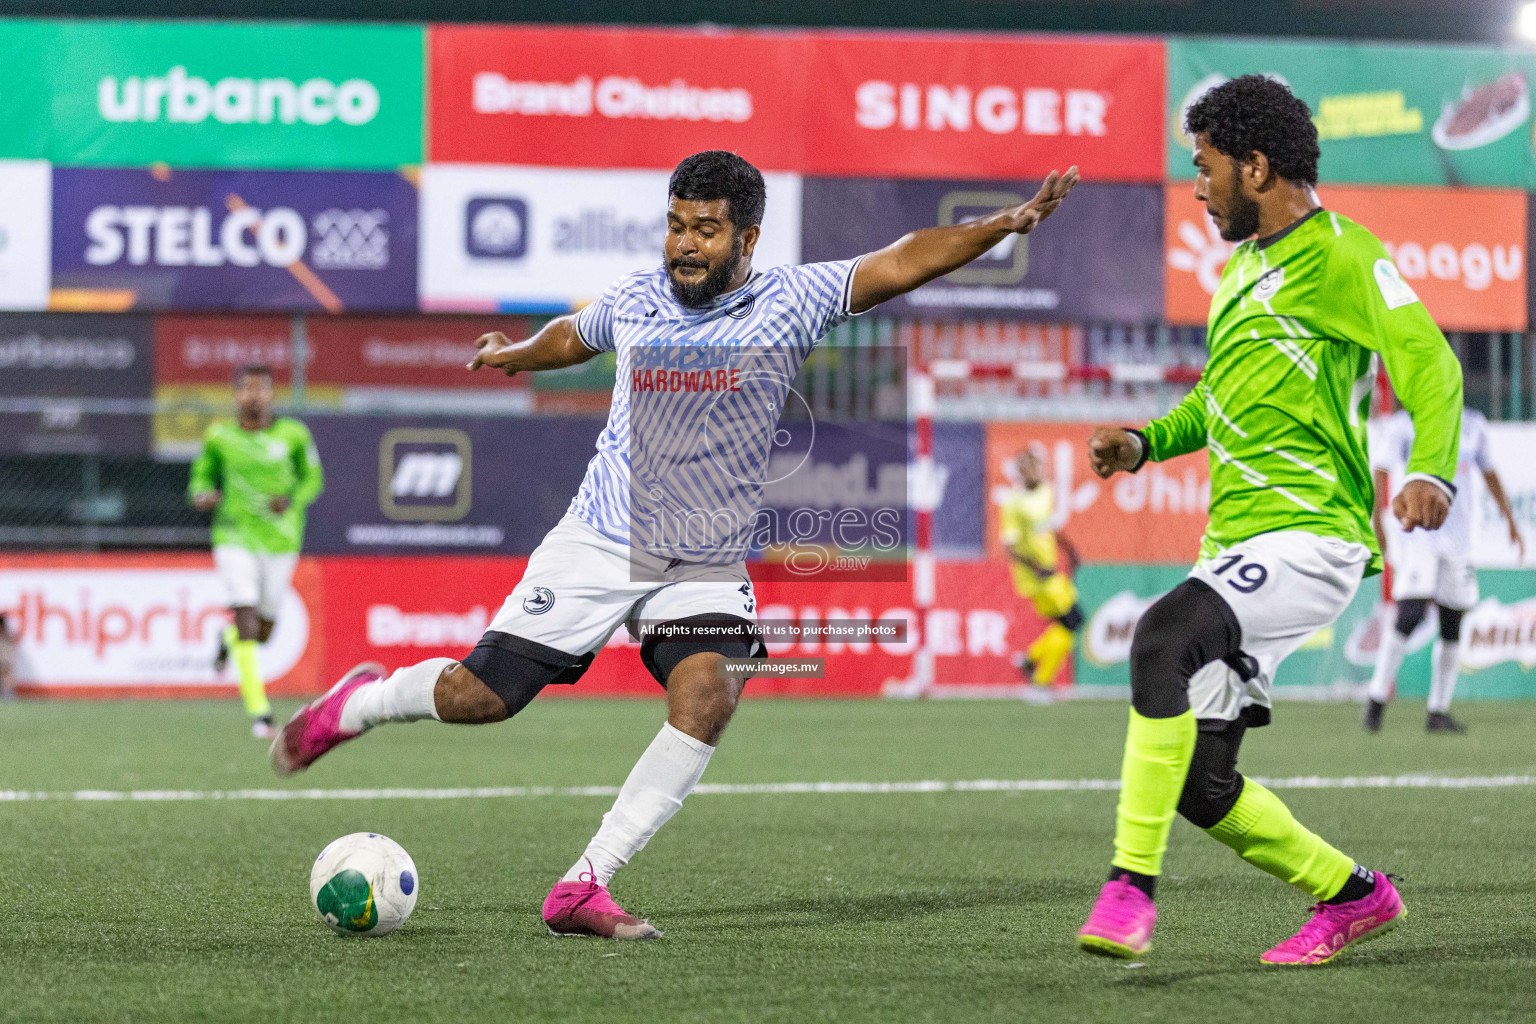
585,908
1334,926
316,727
1121,922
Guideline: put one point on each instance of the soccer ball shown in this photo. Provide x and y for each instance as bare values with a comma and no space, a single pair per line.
364,884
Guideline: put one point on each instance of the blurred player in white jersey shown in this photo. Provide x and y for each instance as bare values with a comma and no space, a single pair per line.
1432,565
707,349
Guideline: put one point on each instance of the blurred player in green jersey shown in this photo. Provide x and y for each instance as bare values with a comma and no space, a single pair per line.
1298,320
257,476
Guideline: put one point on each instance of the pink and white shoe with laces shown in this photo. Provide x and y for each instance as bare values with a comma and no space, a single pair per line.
1335,926
1121,922
585,908
316,727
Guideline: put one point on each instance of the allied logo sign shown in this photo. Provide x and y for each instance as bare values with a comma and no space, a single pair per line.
205,94
496,228
547,240
424,474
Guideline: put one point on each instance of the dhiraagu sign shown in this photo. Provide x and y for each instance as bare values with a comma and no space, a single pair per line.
1404,115
202,94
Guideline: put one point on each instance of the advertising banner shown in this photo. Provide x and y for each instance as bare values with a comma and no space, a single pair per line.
1097,258
1156,515
542,240
451,485
26,189
50,361
157,239
613,97
1498,636
196,357
145,625
208,348
1410,115
212,94
402,610
419,352
1463,251
934,105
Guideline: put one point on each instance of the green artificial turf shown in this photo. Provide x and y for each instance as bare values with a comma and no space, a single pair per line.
950,906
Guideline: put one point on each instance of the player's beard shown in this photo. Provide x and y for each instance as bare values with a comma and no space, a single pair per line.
1242,215
715,283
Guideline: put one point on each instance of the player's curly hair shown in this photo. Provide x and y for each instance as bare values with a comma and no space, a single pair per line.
1254,112
716,174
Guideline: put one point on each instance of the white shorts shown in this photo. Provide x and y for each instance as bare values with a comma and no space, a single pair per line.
580,586
253,579
1420,572
1283,587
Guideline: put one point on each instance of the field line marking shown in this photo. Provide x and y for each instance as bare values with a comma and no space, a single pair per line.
749,789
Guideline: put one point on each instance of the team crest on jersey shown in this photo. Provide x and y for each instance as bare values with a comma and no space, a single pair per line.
742,309
540,601
1394,290
1268,284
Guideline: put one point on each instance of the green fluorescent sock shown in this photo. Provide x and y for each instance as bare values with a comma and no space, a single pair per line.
1263,832
253,692
1157,755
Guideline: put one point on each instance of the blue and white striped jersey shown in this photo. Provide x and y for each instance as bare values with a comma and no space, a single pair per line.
696,404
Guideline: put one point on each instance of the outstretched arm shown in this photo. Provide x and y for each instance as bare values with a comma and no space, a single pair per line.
917,258
557,344
1496,489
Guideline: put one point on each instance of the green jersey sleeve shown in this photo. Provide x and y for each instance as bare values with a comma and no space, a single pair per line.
310,477
1377,309
207,468
1181,430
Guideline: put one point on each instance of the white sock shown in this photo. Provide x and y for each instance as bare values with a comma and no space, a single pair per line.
1388,660
1442,675
406,696
664,775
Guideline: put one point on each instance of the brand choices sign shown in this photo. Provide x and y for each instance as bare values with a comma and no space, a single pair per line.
1463,252
212,94
537,239
612,97
409,352
235,239
1097,257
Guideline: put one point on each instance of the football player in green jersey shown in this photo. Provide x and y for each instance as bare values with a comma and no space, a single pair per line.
257,476
1304,308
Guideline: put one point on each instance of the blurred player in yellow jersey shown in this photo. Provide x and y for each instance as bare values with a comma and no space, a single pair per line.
1038,573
